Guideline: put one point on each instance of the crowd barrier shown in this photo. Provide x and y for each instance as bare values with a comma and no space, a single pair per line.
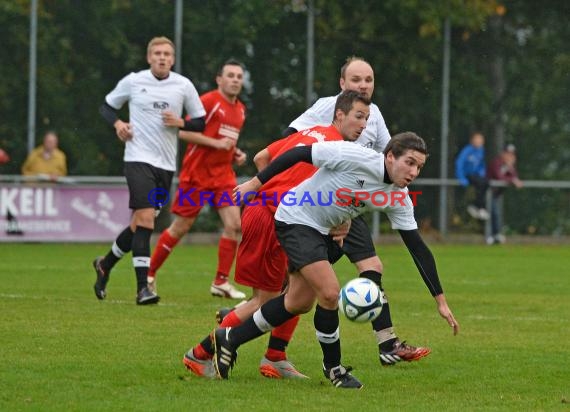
68,210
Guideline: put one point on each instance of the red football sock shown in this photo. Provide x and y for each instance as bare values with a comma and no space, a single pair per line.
200,353
164,246
230,320
275,355
226,253
280,337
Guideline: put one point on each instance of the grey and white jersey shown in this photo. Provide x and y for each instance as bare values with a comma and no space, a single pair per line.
347,172
375,136
148,97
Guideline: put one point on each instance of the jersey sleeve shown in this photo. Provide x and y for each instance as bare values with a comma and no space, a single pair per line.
382,134
121,93
192,103
326,154
276,147
402,217
319,114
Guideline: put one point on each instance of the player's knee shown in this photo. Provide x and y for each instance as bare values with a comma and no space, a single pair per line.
328,298
144,218
298,306
180,227
373,263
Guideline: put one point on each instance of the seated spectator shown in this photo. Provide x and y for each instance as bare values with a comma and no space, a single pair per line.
470,170
4,158
502,167
46,160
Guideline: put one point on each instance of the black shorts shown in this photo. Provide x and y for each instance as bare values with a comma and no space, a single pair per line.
149,186
358,244
304,245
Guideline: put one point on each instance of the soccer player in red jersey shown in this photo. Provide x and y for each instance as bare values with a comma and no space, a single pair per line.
261,262
207,177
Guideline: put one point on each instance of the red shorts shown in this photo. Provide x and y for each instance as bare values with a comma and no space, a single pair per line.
261,262
191,197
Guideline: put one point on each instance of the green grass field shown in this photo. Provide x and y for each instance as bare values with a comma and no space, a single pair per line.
61,349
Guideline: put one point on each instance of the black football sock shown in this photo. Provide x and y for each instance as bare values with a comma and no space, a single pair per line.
382,325
270,315
277,344
326,325
207,345
141,255
121,246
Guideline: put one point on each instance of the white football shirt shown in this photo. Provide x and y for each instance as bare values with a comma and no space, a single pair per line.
152,142
375,136
346,172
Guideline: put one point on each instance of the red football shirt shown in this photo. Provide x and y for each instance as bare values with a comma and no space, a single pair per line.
280,184
206,164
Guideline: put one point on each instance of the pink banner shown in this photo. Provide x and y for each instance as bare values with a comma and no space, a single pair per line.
52,213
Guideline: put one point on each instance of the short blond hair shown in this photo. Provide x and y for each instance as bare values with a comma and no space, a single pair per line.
155,41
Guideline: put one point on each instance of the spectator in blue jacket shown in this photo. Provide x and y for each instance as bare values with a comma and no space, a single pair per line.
470,170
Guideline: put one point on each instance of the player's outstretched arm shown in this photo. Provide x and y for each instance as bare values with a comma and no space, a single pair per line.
446,313
425,262
262,159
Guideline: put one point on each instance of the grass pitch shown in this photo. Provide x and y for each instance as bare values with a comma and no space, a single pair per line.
61,349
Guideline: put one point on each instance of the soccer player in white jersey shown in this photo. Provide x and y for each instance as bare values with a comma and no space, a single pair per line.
357,74
156,97
360,179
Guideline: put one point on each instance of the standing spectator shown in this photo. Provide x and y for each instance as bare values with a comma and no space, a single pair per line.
156,98
207,168
470,170
46,160
502,167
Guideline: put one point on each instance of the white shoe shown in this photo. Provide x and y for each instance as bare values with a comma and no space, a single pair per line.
483,214
151,284
226,290
473,211
279,370
500,238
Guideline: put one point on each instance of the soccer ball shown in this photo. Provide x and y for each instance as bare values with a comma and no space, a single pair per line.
360,300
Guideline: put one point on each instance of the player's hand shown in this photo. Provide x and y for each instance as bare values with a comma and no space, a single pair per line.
123,130
446,313
169,119
239,157
339,232
224,144
246,191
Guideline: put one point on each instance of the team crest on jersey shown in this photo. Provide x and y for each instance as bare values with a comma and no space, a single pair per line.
160,105
360,182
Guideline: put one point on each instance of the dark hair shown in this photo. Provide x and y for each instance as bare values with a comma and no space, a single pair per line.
230,62
345,101
347,63
402,142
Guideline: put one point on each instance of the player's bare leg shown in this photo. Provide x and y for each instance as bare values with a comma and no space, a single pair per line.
391,349
227,248
167,241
